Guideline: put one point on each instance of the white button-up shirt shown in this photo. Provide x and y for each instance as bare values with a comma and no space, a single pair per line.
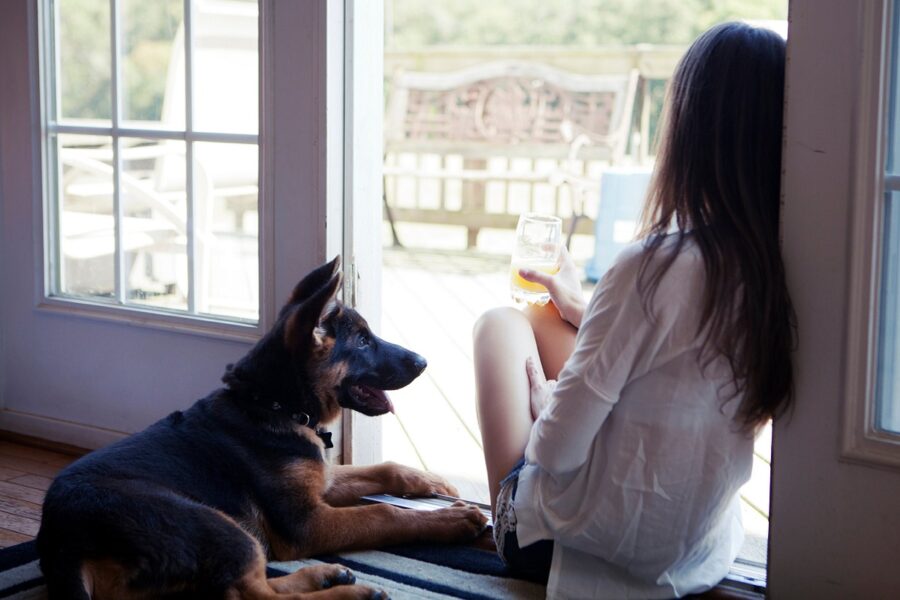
635,464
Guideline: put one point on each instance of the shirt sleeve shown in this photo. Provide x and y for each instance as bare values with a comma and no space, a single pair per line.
615,344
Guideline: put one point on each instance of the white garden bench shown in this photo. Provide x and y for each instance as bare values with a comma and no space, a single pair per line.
471,130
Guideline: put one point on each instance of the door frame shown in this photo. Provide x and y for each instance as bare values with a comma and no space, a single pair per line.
833,522
363,82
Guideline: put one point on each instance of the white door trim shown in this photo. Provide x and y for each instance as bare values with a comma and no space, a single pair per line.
363,148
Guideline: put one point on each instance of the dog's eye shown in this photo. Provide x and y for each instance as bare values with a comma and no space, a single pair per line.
363,340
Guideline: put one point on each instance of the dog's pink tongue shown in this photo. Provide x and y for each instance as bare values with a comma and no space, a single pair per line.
378,400
383,400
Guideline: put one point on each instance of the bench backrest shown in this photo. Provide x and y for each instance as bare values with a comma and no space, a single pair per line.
510,108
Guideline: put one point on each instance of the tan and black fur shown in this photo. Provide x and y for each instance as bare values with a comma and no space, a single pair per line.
193,506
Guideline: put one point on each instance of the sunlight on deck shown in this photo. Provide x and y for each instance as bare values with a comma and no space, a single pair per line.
431,301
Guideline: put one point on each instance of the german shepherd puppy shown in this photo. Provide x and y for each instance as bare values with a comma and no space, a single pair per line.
194,505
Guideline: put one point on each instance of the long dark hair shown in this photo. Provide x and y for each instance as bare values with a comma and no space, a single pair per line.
717,182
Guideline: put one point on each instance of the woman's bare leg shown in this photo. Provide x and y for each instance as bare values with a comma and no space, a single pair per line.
503,340
555,338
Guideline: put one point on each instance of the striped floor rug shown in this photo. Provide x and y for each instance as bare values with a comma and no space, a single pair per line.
406,573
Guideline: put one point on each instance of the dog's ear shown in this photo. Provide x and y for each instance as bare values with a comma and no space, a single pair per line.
315,280
300,325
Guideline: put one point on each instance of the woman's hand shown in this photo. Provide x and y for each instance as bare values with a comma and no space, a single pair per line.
564,288
541,388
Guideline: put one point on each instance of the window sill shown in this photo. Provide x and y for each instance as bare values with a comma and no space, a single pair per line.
153,319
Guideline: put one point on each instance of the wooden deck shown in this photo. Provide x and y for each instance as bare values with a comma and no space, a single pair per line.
431,300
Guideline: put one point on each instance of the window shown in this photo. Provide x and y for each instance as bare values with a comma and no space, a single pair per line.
124,365
886,415
872,418
151,155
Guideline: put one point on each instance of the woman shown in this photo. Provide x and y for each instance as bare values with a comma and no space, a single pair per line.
634,458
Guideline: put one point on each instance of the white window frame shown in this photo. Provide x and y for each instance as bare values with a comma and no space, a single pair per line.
862,441
50,299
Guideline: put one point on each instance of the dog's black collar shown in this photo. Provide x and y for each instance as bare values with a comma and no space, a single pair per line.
301,418
258,402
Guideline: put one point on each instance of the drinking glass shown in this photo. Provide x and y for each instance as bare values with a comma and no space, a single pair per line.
537,248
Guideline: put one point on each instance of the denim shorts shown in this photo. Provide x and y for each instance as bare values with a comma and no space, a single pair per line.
531,562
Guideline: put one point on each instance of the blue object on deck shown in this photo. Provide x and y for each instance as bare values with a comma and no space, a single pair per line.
621,199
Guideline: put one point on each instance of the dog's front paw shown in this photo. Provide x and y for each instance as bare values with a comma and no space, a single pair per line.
334,575
314,578
460,522
407,481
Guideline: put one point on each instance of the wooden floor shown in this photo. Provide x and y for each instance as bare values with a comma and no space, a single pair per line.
25,475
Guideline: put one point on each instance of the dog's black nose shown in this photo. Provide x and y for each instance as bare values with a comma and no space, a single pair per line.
419,363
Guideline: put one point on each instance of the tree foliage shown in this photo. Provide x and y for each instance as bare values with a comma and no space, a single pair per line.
149,28
85,69
417,23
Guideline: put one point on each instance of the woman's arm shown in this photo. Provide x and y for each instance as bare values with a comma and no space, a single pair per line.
616,342
568,414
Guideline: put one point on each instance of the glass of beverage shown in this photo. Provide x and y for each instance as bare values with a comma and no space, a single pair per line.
537,248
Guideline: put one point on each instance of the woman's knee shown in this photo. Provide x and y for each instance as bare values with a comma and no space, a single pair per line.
500,320
544,315
555,338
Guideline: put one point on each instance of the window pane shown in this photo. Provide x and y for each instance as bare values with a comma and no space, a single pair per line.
893,153
887,416
887,406
226,66
83,71
85,213
226,226
154,238
153,62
